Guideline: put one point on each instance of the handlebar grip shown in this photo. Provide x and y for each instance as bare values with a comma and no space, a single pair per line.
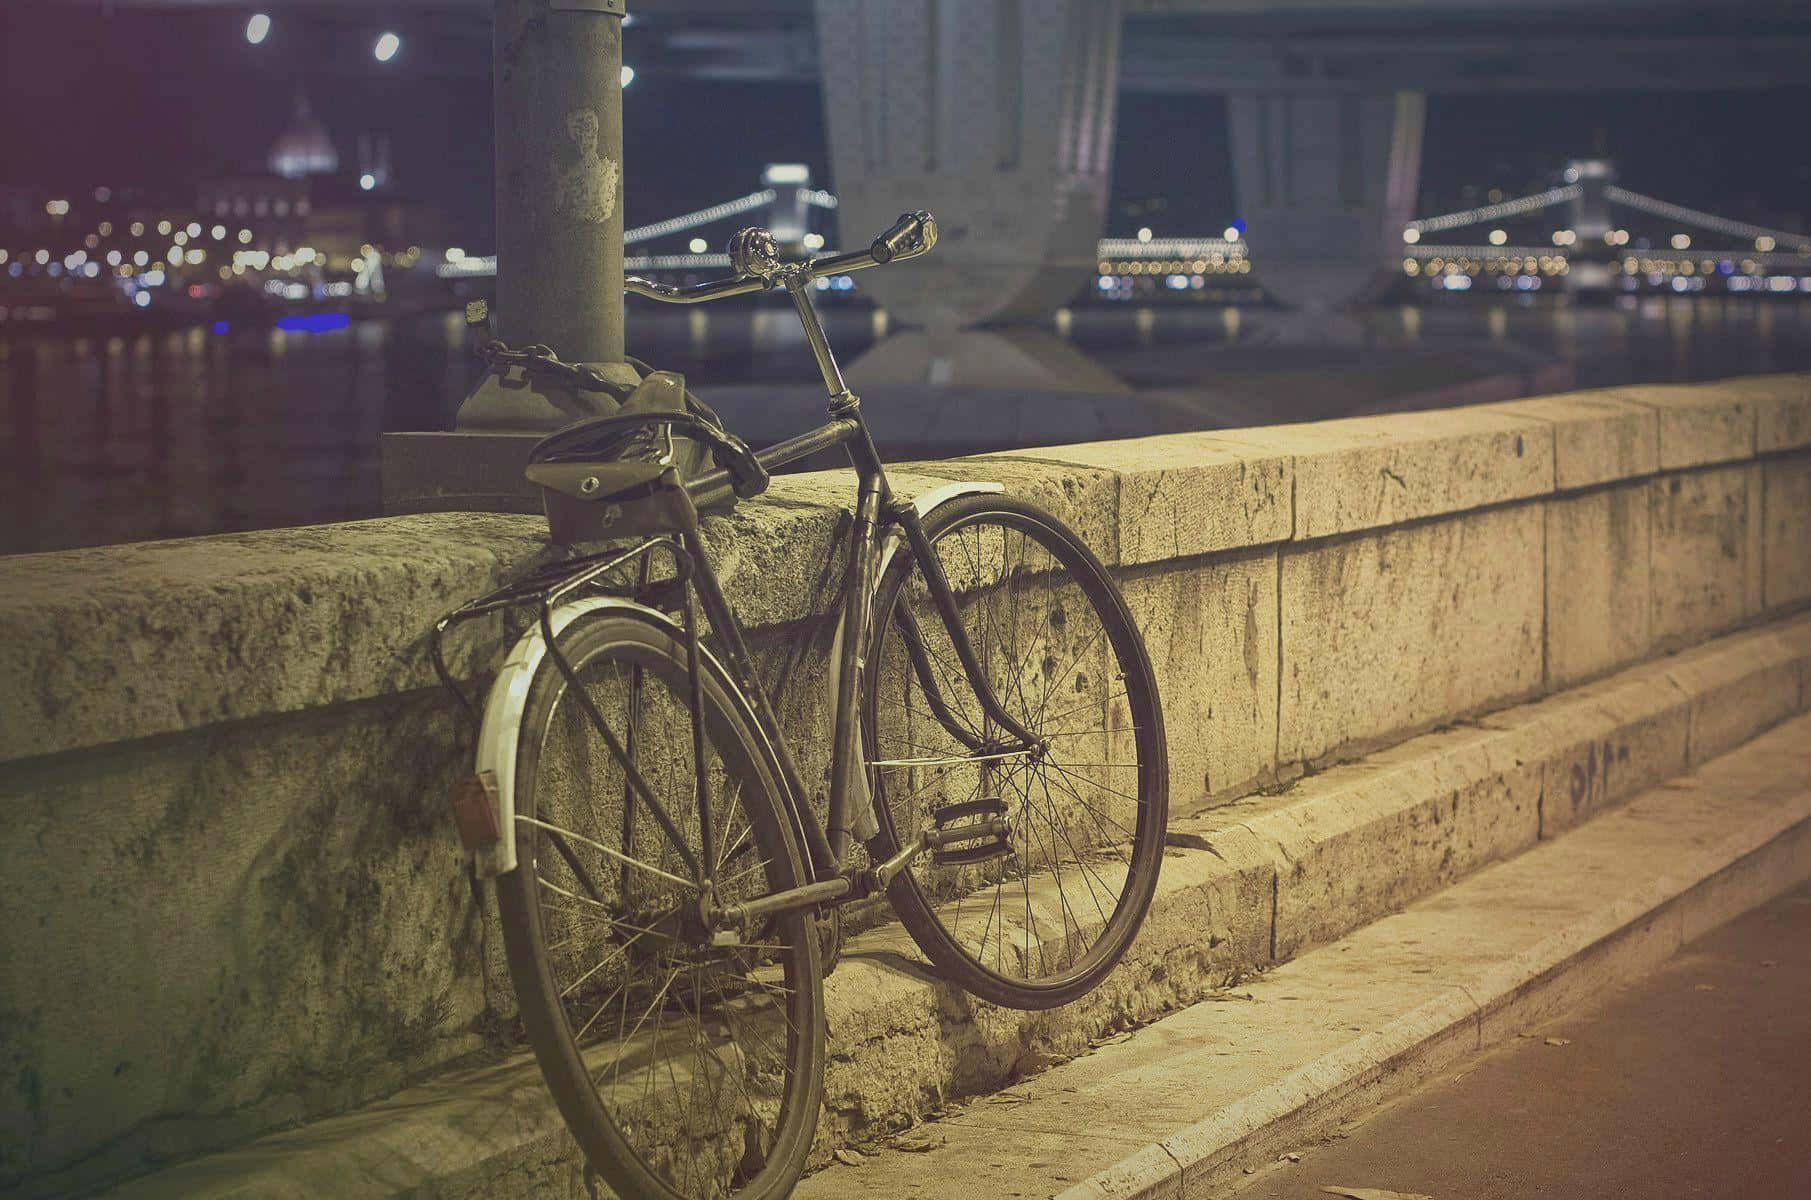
913,234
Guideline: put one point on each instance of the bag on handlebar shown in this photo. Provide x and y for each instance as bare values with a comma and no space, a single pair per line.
600,477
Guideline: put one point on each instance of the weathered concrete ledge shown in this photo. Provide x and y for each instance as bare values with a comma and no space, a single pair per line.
245,876
300,618
1244,887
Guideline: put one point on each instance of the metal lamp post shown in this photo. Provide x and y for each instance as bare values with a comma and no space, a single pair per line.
557,78
557,74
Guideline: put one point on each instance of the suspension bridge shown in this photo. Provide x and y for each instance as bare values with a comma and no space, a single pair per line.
1587,234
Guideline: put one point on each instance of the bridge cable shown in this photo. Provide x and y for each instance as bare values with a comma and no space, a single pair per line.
1702,220
1490,212
703,216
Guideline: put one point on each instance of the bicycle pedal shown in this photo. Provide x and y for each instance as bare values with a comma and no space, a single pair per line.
970,832
986,806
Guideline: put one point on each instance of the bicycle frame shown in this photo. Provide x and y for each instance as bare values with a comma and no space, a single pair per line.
868,547
877,513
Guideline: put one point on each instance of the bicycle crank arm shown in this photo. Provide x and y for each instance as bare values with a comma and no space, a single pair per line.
742,916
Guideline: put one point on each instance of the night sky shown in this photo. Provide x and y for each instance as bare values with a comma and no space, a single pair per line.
159,98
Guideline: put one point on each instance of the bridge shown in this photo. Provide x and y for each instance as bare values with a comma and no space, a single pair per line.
1180,46
1327,101
1565,234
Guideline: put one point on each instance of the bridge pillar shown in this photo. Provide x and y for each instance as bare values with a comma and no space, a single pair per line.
1592,264
790,219
996,115
1326,182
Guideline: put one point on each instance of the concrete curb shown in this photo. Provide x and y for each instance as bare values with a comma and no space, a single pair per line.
1628,936
1244,887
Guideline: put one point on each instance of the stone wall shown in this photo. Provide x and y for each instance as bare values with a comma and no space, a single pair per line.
236,899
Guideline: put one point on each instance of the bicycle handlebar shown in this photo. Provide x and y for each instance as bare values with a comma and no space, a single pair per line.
915,233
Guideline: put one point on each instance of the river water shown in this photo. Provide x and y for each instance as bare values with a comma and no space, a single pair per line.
169,434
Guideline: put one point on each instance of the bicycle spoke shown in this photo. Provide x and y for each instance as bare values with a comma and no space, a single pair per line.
933,762
1047,638
603,849
621,990
699,1054
1081,859
1069,786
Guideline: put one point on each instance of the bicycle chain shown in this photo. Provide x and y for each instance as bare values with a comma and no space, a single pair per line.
540,357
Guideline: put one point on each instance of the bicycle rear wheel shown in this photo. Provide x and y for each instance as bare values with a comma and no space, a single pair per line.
684,1069
1039,926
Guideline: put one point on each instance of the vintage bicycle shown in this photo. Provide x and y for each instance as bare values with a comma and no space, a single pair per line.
665,885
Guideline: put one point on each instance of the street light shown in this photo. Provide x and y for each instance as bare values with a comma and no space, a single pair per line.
258,28
628,75
387,46
367,181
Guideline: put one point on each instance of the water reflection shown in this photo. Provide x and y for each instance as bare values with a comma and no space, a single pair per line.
157,434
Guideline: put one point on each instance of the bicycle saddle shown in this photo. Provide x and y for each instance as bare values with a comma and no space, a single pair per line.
600,478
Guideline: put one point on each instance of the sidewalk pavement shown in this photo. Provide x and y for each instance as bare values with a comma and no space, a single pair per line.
1694,1081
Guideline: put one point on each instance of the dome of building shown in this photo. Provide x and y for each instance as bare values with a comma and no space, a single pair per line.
304,148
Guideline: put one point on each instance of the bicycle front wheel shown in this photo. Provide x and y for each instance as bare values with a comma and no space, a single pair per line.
686,1066
1043,921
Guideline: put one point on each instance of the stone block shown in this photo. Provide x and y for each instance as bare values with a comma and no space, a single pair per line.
1365,472
1796,636
1736,690
1210,920
1782,412
233,929
780,558
1700,423
1390,633
1597,437
1599,745
1211,632
456,470
124,642
1786,542
792,661
1187,494
1354,845
905,1039
1706,529
1084,498
1598,611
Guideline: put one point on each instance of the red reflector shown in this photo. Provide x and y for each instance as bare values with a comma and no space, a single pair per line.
475,810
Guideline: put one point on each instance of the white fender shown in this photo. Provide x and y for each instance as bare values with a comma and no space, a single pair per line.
862,802
501,731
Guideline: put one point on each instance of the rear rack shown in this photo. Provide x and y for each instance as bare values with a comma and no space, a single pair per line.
545,587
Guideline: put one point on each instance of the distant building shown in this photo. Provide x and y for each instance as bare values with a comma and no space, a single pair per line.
303,149
277,208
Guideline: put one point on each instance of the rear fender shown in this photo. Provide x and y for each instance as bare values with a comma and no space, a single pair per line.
501,732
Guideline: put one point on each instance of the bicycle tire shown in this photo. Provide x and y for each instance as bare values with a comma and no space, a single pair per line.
1109,838
742,1106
